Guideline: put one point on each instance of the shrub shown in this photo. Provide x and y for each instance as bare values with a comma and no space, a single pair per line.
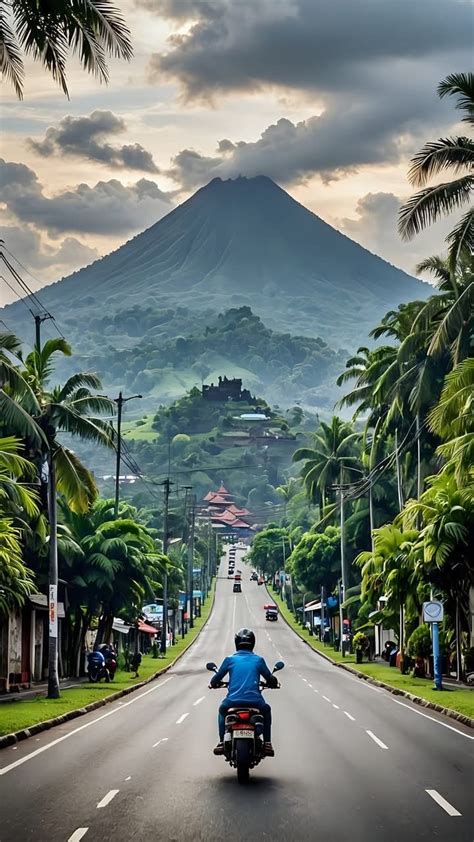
419,642
361,642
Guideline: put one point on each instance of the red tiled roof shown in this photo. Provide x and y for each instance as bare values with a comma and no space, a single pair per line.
236,511
144,627
223,491
218,501
210,496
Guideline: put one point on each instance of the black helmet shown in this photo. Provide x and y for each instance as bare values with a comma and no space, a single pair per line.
245,639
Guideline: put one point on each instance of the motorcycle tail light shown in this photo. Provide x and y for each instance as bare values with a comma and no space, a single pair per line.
244,714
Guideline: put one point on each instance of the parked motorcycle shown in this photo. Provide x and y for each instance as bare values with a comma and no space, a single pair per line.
243,736
110,659
97,668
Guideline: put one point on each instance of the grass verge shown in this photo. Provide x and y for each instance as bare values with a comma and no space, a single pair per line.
459,700
19,714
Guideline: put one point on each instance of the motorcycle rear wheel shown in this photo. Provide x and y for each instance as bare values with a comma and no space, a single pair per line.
243,757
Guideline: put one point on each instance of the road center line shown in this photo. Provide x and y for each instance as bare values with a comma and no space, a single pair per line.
376,740
198,701
129,778
78,834
352,718
335,706
326,699
163,740
310,685
37,751
107,798
181,718
438,722
451,811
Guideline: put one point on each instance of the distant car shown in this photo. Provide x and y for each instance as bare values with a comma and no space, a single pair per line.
261,580
237,587
237,577
271,614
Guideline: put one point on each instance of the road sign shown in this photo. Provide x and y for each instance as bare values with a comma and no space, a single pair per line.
433,611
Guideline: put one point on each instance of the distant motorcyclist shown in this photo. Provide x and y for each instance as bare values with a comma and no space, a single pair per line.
245,668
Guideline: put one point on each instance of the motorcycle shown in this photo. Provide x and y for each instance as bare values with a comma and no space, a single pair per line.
97,669
243,735
110,660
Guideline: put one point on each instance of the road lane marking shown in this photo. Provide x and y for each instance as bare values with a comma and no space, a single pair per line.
181,718
129,778
352,718
326,699
376,740
316,691
335,706
78,834
305,680
451,811
438,722
198,701
37,751
310,685
107,798
163,740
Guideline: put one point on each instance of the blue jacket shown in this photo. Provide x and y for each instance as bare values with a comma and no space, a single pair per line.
245,669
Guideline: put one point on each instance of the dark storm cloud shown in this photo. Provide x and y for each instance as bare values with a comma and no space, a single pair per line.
318,45
85,137
109,207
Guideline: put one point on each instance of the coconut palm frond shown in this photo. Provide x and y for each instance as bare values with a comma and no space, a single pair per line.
455,153
11,62
455,319
461,239
429,204
460,85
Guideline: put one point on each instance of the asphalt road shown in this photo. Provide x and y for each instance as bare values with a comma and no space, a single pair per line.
352,762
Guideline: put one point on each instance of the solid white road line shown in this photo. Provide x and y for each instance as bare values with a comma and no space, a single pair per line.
163,740
181,718
107,798
451,811
78,834
198,701
444,724
326,699
352,718
335,706
37,751
376,740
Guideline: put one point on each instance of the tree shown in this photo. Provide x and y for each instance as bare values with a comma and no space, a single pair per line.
333,451
454,155
315,561
452,419
50,30
269,549
16,581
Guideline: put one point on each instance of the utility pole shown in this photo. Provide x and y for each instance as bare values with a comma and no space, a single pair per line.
38,322
342,591
53,680
120,402
164,624
186,535
191,561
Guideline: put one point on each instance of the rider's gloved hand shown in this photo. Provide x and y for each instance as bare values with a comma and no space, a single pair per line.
273,682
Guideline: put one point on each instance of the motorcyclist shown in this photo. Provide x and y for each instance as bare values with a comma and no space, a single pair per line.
245,669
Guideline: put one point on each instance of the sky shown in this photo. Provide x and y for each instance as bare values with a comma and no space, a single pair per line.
330,98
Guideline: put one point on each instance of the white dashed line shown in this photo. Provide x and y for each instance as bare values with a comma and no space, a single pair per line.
316,691
310,685
352,718
163,740
129,778
107,798
198,701
78,834
376,740
181,718
37,751
326,699
450,810
335,706
305,680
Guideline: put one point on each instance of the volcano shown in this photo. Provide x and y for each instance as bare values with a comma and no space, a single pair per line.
242,241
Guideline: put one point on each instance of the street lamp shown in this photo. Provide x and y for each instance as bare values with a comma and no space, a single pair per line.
120,402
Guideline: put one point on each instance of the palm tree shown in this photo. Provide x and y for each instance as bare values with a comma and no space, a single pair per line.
334,450
454,155
452,419
16,580
50,31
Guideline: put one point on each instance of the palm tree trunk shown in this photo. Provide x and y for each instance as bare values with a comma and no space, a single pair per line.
371,518
399,473
53,679
418,458
458,641
401,643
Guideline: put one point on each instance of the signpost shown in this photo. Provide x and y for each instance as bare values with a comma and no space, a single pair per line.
433,613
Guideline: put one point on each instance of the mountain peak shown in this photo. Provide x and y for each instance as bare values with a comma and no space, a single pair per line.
245,241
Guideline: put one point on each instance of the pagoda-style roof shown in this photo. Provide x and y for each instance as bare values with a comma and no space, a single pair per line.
236,511
217,500
223,491
209,496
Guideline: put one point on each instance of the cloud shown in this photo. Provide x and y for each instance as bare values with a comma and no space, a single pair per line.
375,226
318,45
46,261
339,141
107,208
84,137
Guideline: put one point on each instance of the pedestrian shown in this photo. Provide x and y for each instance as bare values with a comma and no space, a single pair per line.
135,662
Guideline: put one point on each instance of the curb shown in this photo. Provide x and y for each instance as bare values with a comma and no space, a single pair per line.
396,691
18,736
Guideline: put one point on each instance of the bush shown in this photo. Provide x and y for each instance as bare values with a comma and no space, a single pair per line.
361,642
419,642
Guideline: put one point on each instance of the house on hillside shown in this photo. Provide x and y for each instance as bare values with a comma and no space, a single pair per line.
220,510
227,390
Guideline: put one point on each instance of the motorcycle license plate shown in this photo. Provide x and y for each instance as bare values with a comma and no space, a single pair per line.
244,733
